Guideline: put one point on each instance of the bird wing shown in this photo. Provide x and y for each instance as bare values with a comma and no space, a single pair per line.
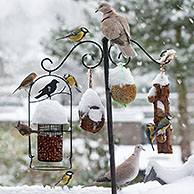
124,24
111,28
74,33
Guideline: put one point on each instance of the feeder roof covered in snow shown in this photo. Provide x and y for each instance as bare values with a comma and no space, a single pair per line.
161,79
120,76
91,99
49,112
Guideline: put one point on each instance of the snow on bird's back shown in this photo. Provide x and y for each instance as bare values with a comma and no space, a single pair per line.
49,112
91,99
120,76
161,79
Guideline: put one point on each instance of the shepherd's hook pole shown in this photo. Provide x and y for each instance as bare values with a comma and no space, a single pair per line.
109,116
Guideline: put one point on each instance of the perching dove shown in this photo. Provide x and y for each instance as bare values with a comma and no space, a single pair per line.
116,29
125,172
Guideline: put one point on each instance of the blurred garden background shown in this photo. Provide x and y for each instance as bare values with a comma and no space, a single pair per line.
28,34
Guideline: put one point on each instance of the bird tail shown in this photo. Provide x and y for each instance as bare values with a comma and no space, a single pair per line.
16,89
78,89
127,51
38,96
67,36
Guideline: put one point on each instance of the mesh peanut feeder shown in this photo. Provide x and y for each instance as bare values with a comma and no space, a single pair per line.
121,82
91,110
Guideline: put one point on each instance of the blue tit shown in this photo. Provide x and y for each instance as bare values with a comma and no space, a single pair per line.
149,129
65,179
71,81
163,125
76,35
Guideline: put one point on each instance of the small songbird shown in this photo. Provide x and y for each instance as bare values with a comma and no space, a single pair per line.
116,29
65,179
125,172
76,35
72,81
48,89
25,84
149,130
163,125
24,129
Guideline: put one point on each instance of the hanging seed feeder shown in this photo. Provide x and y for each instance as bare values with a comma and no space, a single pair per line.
50,118
91,110
121,82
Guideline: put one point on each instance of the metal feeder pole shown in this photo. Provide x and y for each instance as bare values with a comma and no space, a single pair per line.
109,116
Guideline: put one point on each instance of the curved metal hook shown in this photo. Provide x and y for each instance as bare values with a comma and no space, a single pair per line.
119,56
83,57
155,61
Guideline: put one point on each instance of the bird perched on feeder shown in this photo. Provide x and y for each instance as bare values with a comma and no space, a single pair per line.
65,179
149,130
163,125
25,84
77,35
125,172
71,81
24,129
48,89
116,29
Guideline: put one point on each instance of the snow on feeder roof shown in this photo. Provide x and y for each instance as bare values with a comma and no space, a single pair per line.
90,98
49,112
161,79
120,76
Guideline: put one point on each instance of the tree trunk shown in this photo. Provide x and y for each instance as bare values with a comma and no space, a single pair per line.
183,124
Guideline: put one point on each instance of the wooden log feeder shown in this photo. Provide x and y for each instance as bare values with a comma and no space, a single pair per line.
159,96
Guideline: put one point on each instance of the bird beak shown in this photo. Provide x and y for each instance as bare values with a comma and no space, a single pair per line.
143,149
96,11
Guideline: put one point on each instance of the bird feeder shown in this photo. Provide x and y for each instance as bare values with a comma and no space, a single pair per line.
91,110
122,85
159,96
50,118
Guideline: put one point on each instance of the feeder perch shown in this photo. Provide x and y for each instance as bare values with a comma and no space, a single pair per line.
91,112
121,82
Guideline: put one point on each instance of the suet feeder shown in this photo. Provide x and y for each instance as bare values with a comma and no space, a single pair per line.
50,118
123,88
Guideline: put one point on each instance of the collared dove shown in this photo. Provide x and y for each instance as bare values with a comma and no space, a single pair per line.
126,171
116,29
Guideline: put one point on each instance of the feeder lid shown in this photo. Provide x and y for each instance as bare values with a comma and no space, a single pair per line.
161,79
90,99
120,76
49,112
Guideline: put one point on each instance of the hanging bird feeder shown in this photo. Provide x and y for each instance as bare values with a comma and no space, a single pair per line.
122,85
91,110
50,118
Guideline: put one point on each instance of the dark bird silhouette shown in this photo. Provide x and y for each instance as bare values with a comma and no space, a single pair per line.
48,89
24,129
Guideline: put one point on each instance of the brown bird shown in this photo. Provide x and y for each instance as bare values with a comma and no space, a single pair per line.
24,129
25,84
116,29
125,172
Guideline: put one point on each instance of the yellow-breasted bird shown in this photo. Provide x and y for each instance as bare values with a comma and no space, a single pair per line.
25,84
71,81
76,35
65,179
149,130
163,125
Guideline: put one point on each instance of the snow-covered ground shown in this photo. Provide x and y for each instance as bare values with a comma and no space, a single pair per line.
182,186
